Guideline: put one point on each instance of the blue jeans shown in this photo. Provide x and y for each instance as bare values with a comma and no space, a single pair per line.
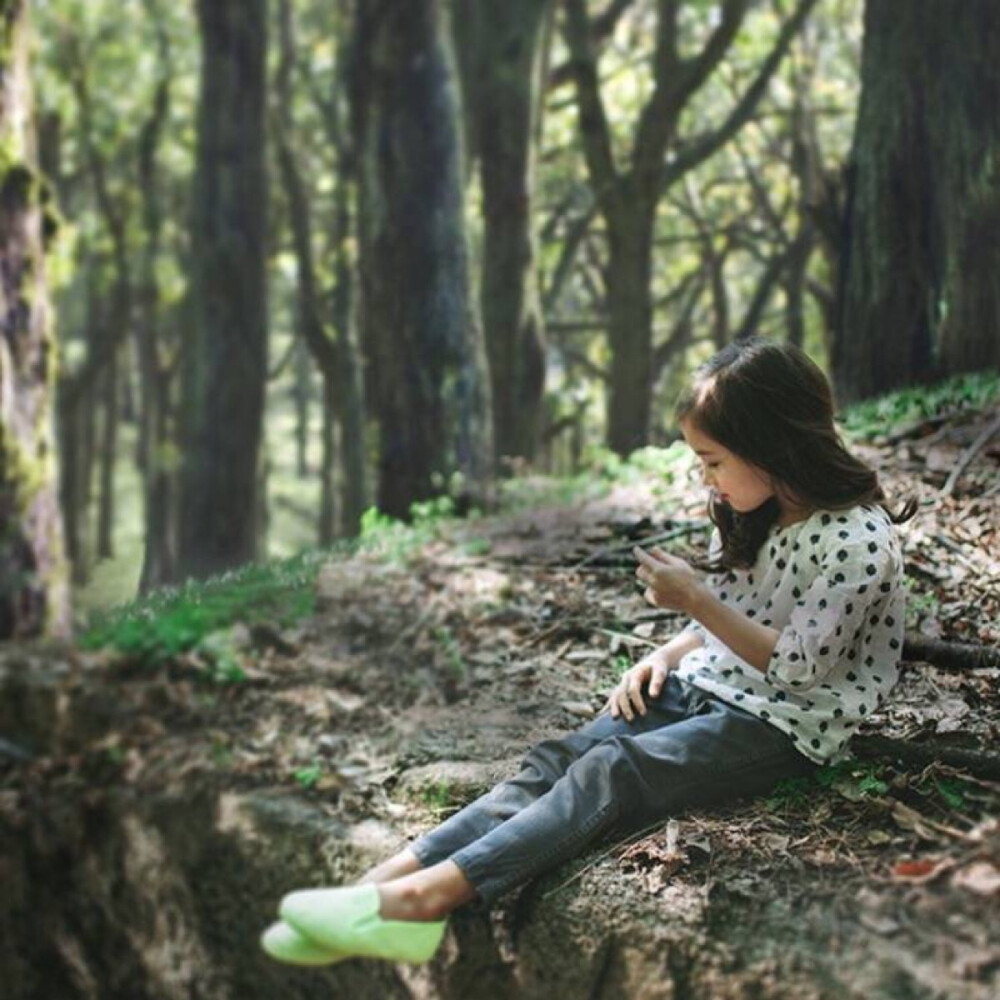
611,776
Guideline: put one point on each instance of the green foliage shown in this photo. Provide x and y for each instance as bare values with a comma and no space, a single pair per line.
897,409
172,620
438,795
919,605
852,779
308,776
621,663
397,540
443,635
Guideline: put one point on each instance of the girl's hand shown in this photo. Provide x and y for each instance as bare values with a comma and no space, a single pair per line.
670,581
628,692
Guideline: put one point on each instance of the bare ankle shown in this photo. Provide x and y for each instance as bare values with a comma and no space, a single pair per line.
399,865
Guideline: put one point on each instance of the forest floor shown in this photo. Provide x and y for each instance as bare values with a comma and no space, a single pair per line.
420,681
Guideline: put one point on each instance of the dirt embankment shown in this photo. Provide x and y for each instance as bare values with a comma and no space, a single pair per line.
150,821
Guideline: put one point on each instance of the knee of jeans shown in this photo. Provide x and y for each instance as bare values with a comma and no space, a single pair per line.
609,767
550,759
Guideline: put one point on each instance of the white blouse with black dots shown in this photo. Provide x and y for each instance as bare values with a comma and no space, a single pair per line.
832,584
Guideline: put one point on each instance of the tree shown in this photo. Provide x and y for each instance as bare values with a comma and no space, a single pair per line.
500,50
225,363
34,594
426,362
629,187
920,278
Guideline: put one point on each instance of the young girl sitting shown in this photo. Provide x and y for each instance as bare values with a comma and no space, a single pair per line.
794,638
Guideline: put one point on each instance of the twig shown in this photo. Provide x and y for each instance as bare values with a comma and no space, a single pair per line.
668,536
631,839
969,455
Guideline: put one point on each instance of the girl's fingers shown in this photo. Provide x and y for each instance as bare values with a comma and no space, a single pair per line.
656,682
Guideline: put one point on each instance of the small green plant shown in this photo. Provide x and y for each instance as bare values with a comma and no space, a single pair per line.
308,776
444,636
954,792
919,605
621,663
477,547
852,779
437,795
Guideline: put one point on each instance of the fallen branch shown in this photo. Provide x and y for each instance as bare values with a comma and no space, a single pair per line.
949,655
970,454
980,762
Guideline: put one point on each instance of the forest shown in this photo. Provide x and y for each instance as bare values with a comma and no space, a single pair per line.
340,354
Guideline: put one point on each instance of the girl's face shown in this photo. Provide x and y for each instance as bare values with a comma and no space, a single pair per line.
742,485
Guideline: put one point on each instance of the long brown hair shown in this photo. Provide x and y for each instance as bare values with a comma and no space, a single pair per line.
771,405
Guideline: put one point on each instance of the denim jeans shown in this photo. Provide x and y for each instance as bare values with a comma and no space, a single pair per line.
611,776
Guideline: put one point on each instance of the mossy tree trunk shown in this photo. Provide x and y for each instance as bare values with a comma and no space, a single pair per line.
226,356
34,592
426,361
920,278
499,50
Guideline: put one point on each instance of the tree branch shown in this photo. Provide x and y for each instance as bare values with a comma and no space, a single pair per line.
702,147
594,127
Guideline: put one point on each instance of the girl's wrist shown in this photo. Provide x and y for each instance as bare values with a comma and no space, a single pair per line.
697,598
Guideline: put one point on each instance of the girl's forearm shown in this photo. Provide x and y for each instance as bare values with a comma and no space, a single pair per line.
751,642
681,644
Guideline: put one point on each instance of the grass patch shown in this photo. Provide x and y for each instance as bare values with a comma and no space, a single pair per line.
897,409
171,620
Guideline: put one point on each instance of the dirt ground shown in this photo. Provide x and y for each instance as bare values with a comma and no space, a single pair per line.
420,683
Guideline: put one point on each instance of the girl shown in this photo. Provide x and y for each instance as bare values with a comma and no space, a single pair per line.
793,639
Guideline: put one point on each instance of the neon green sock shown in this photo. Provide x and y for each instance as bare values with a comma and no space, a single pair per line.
346,920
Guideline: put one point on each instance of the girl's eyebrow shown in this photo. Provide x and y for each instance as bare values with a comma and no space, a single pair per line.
704,452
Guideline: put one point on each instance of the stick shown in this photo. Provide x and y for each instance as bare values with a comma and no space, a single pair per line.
949,655
979,762
666,536
969,455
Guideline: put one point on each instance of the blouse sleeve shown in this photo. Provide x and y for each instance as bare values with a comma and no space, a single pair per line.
827,620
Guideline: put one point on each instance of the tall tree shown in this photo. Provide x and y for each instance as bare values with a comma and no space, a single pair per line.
332,340
34,595
500,52
426,360
920,279
630,186
225,364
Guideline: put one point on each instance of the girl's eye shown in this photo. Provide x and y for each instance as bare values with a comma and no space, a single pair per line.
713,465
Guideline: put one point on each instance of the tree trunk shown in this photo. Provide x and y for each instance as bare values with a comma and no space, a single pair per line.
427,363
631,328
629,187
335,352
109,437
226,357
921,271
302,393
499,46
34,592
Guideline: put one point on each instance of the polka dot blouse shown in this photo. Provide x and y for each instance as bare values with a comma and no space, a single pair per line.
832,584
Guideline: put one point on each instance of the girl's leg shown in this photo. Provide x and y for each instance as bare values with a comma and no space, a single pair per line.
625,782
542,767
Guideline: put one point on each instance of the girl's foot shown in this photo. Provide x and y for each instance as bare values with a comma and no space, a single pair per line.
346,922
